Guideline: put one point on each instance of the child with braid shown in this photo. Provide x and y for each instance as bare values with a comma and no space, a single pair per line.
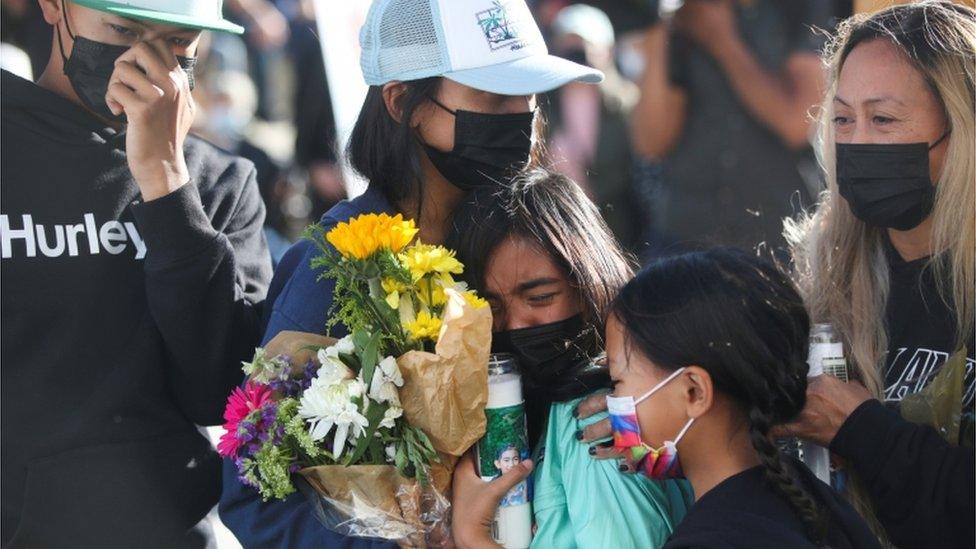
707,351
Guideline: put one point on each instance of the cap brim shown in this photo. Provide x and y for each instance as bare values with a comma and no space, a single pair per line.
526,76
174,19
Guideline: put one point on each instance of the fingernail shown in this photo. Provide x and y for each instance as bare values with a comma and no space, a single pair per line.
624,468
579,435
592,450
576,412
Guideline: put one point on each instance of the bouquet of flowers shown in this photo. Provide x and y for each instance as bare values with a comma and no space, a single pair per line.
374,421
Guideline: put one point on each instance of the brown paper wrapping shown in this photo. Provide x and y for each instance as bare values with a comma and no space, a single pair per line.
444,393
379,502
295,345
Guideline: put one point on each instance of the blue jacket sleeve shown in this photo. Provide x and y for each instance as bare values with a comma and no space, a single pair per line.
302,305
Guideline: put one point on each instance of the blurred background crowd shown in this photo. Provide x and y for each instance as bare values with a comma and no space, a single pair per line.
729,85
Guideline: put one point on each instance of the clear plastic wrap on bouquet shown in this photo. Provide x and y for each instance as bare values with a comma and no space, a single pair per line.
375,501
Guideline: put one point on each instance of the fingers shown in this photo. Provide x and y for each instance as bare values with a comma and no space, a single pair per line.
627,466
591,405
501,485
465,465
133,77
783,431
605,450
158,63
121,98
145,57
596,431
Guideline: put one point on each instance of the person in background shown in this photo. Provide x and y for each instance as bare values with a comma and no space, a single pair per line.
133,269
888,259
455,114
547,264
589,126
228,101
316,152
724,105
706,352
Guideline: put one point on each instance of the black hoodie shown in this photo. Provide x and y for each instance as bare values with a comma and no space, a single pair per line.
123,327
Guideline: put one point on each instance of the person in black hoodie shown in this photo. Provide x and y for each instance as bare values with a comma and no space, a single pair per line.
133,267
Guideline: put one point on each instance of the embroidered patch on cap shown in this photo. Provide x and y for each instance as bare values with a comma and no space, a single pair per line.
499,30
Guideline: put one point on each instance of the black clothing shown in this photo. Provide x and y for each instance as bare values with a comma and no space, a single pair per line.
921,332
123,327
922,488
743,511
730,179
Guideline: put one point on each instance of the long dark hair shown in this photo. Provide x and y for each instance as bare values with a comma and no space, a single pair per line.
551,212
741,319
385,150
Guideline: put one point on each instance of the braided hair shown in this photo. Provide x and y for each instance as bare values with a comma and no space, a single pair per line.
740,319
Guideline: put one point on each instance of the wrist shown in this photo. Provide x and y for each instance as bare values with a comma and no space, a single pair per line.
475,539
170,176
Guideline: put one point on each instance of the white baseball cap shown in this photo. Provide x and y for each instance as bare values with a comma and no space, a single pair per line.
490,45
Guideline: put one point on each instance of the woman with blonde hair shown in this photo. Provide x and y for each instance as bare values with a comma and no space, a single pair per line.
888,259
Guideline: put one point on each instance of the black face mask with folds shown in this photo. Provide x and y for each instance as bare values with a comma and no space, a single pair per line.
550,356
555,361
887,185
488,148
90,67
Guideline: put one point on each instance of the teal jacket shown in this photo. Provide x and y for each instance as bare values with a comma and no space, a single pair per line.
584,502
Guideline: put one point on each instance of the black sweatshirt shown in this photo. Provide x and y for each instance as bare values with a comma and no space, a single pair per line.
123,327
922,488
743,512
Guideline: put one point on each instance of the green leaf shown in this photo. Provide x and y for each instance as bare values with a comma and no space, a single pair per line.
374,415
370,357
360,338
401,457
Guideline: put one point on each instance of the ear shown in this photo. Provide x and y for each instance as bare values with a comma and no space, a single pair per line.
699,391
392,95
51,9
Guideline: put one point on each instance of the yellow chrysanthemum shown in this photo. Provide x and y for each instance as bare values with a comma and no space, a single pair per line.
393,289
363,236
431,292
473,300
425,326
422,259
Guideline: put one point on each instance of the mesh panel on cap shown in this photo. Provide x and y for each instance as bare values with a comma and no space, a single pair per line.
408,45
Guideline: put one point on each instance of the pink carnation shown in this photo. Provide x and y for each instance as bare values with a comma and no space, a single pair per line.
240,403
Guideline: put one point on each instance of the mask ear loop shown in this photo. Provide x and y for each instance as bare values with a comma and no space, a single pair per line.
441,105
684,430
940,140
57,29
673,375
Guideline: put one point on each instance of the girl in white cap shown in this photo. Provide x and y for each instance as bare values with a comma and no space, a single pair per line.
450,108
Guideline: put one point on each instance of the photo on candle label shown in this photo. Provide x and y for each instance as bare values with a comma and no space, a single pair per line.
505,443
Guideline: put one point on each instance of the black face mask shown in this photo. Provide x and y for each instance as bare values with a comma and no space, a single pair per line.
549,353
887,185
90,68
488,148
